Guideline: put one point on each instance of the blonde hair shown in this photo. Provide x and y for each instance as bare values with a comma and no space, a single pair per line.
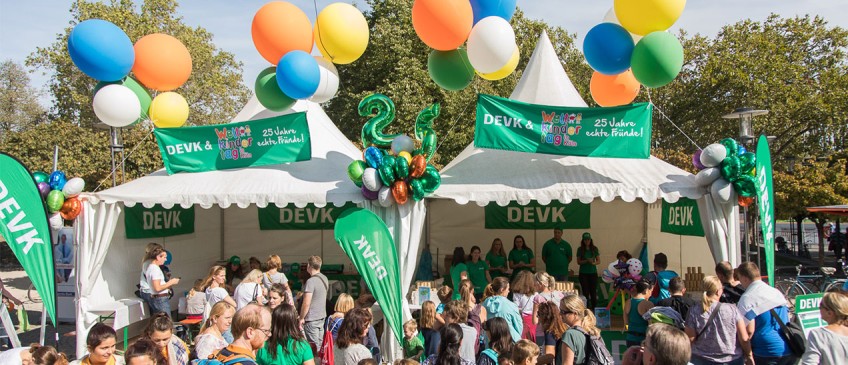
410,325
668,344
487,292
572,303
274,262
524,350
212,272
466,291
344,303
837,302
314,262
428,315
218,310
523,283
711,287
444,293
253,276
545,279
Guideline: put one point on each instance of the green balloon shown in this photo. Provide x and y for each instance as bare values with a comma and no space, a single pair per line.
139,91
417,188
731,146
451,70
428,145
372,131
268,92
355,170
387,174
745,186
730,168
55,199
401,168
747,161
431,179
657,59
40,176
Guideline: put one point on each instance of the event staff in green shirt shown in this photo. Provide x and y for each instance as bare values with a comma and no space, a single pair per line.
478,271
496,259
521,257
458,269
556,253
588,257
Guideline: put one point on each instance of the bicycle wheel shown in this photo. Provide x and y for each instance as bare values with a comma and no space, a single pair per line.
790,290
32,294
837,284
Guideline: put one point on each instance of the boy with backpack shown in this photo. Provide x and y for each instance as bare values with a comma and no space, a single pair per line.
660,278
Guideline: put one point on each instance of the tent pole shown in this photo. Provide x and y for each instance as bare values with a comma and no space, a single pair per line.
221,230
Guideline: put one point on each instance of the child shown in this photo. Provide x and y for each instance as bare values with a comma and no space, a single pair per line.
196,304
677,301
525,352
413,345
660,278
428,328
445,295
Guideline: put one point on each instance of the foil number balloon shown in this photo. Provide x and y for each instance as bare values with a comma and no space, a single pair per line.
372,132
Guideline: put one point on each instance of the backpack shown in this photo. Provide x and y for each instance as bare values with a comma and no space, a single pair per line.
596,350
231,358
325,353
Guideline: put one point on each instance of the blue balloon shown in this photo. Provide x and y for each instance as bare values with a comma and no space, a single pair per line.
101,50
298,75
740,150
607,48
373,157
484,8
57,180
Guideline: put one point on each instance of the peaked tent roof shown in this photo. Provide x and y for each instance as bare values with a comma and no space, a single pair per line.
320,181
485,175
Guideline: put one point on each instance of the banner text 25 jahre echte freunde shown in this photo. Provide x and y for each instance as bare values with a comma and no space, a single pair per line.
620,132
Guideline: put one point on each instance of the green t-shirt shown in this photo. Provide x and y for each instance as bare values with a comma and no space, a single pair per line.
412,347
587,255
298,352
557,257
497,262
455,272
521,257
477,275
576,341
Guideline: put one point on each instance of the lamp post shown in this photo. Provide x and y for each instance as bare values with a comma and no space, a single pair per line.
746,137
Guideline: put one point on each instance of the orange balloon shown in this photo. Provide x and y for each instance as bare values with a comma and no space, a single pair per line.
745,201
70,209
400,191
278,28
417,166
162,62
614,90
442,24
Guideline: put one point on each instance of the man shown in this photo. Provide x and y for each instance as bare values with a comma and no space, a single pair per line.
664,345
251,328
660,278
556,253
313,309
732,289
457,312
64,254
755,306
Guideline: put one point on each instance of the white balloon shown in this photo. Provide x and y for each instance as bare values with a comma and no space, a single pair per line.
491,44
385,197
56,221
73,187
613,270
722,190
713,154
371,179
707,176
402,143
116,105
329,84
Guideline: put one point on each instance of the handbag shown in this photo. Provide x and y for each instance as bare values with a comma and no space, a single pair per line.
707,323
23,318
792,334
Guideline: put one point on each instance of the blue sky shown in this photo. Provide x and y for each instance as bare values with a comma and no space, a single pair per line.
25,25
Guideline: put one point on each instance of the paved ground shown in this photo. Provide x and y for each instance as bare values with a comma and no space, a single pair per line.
17,283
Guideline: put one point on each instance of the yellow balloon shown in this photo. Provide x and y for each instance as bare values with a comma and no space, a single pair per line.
169,110
504,71
341,33
645,16
405,155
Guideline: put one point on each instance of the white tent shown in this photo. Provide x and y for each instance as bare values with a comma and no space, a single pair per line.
619,222
108,263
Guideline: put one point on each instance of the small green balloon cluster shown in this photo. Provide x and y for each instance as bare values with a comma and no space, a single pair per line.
739,168
392,169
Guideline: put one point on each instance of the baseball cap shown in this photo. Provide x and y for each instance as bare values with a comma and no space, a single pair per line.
587,236
235,260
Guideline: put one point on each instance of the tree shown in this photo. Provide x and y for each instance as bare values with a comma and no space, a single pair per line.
215,91
19,107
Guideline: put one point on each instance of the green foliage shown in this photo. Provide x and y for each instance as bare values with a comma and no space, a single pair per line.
19,109
215,92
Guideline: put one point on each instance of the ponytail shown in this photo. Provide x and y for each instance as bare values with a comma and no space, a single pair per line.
590,323
711,288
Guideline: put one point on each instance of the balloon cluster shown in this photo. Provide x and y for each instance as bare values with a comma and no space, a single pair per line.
158,61
445,25
392,169
730,171
60,195
631,47
623,275
284,36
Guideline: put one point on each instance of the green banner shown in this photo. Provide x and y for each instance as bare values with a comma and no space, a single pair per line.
807,311
616,342
765,203
23,224
141,222
574,215
270,141
366,240
682,218
293,218
622,131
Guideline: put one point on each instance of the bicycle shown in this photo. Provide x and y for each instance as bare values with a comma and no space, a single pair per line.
818,283
32,294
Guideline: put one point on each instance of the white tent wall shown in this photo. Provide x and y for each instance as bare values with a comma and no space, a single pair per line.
682,251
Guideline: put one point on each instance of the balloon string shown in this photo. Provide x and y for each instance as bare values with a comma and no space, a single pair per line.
662,114
456,120
320,39
124,159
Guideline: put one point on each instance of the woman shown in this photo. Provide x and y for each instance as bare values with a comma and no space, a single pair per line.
144,352
211,338
544,294
588,258
581,322
551,323
520,257
47,355
476,312
343,305
449,348
348,348
249,290
287,345
214,286
478,272
234,269
458,269
274,276
100,344
278,294
427,325
496,259
634,309
716,338
160,330
500,341
829,345
155,291
498,306
523,295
